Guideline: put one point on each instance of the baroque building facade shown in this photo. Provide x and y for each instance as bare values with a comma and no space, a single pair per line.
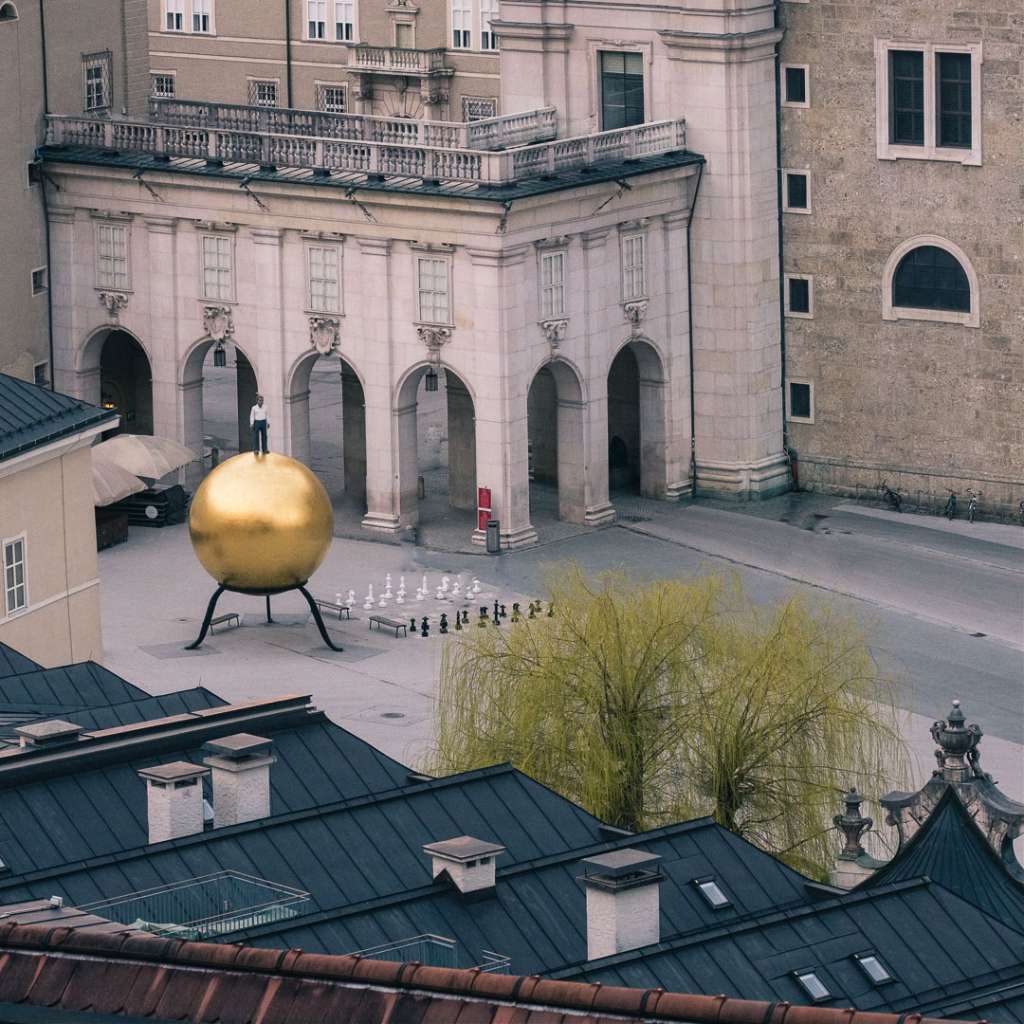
603,306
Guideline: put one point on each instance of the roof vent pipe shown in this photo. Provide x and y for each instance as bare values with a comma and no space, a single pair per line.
467,862
623,901
174,796
240,767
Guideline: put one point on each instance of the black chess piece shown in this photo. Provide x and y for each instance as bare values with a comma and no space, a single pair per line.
551,609
495,611
412,627
515,611
424,627
444,622
482,621
458,621
465,616
504,614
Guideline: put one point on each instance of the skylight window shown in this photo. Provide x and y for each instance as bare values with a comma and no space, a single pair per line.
813,985
712,892
873,968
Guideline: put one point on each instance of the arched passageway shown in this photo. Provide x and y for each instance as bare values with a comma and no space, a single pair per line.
555,429
636,422
124,381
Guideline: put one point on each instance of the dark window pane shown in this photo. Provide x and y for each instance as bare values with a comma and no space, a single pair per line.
622,90
796,85
931,278
799,295
796,191
800,400
954,99
906,97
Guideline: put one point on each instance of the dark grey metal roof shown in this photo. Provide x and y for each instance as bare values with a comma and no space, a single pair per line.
31,416
12,662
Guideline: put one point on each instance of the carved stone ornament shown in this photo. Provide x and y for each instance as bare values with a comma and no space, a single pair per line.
217,322
324,334
433,336
554,331
853,825
635,312
113,303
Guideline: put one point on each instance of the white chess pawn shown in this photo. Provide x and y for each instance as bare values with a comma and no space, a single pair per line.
368,603
476,587
337,598
400,598
383,602
401,585
351,599
424,587
387,579
456,591
440,594
446,583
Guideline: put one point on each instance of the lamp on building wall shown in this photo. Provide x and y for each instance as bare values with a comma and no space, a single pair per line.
220,357
431,379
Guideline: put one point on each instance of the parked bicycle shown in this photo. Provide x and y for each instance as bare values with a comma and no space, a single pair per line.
972,505
950,510
892,497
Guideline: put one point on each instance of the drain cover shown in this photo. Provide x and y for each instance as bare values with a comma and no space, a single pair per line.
392,714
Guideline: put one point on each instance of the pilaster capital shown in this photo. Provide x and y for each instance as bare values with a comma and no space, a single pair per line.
725,48
554,331
160,225
113,303
266,236
596,238
373,246
61,215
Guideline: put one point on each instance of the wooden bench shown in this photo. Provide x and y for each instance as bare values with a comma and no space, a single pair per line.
226,617
332,606
396,624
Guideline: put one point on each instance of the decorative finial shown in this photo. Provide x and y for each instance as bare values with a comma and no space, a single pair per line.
957,753
853,825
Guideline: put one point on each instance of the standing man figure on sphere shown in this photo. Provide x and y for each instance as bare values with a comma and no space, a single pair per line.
260,425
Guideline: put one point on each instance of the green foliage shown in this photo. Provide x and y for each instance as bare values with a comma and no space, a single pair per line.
653,703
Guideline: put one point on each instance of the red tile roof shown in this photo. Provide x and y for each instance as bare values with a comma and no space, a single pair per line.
143,976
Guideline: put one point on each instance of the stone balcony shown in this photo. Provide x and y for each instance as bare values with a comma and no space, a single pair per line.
394,60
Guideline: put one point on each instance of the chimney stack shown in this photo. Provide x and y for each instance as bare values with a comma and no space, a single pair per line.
854,864
175,799
623,901
468,863
240,766
54,733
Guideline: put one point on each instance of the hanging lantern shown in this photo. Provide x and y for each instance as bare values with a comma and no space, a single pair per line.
431,379
220,357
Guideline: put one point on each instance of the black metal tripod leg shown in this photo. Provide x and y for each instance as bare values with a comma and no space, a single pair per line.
206,620
319,621
269,618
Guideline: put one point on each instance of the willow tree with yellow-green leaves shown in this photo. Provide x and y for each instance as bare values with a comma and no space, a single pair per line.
653,703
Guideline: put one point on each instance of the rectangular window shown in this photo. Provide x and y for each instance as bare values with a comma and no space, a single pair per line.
954,99
202,16
112,256
801,401
552,285
15,591
799,292
174,15
344,20
161,86
462,24
324,288
478,108
488,13
622,90
263,92
331,99
906,97
40,280
634,271
217,277
404,35
96,69
41,374
796,194
433,290
794,85
316,19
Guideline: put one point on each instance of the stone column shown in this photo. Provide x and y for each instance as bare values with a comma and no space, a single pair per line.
245,393
676,393
653,449
571,418
461,446
161,334
263,335
68,376
353,434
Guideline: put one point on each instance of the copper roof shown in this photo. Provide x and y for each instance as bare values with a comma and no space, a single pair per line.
145,977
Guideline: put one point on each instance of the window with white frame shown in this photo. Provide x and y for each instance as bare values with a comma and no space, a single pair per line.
41,374
316,19
96,73
928,101
216,264
488,13
552,284
796,191
263,92
174,15
634,267
462,24
800,401
324,291
433,277
345,20
15,590
161,85
331,98
40,280
112,256
479,108
930,278
799,295
795,85
202,16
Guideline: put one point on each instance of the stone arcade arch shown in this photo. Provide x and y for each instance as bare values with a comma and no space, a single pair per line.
555,427
436,436
326,406
115,371
637,448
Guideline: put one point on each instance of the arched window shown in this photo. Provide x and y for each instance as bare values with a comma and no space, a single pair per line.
931,278
8,12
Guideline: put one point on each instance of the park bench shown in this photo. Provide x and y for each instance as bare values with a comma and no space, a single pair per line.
226,617
396,624
332,606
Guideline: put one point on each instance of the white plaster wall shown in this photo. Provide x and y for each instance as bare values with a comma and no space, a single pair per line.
623,920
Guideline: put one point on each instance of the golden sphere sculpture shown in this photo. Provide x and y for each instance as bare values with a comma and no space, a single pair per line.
261,523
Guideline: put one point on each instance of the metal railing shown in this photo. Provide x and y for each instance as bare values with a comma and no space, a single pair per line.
434,951
397,60
530,126
375,159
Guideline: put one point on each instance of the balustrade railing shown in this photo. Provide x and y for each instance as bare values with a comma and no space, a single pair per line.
397,60
326,154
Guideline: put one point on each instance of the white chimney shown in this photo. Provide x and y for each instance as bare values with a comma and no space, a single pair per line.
468,862
53,733
175,799
623,906
240,766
